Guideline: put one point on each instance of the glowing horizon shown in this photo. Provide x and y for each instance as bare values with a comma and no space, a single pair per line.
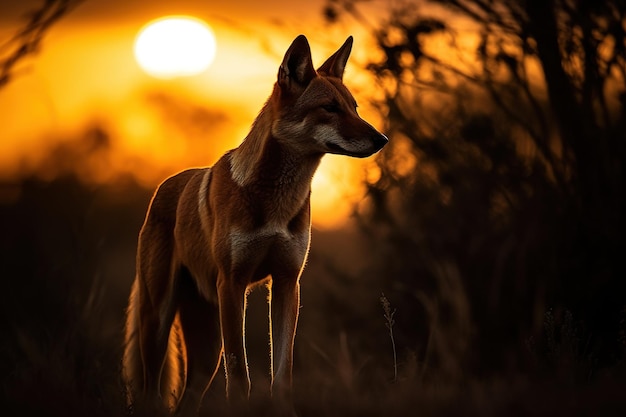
87,78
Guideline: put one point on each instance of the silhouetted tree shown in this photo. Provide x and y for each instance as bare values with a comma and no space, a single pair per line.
504,177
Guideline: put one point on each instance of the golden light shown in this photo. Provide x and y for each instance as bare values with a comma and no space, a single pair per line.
175,46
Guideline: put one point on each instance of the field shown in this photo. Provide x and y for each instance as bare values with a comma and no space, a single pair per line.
68,261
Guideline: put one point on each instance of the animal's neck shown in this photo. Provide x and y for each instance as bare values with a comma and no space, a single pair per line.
271,168
245,158
284,169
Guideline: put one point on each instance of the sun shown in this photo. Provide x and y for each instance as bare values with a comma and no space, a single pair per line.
175,46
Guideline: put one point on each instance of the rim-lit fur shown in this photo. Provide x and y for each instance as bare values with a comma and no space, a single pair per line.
211,233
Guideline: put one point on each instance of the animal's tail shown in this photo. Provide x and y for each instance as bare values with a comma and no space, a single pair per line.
174,368
132,369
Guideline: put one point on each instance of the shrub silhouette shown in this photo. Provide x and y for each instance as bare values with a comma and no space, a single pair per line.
502,189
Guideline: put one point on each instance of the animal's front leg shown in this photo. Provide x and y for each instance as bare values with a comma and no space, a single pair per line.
232,312
285,304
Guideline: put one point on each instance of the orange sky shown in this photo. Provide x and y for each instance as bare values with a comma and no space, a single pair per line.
86,75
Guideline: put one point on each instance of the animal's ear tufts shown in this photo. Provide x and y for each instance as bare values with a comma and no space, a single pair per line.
297,66
336,64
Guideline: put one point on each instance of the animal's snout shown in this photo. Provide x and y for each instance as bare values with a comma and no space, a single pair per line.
379,141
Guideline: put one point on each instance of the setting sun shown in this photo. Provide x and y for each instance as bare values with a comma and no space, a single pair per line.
175,46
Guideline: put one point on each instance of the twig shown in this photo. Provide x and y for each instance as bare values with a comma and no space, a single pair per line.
389,313
28,39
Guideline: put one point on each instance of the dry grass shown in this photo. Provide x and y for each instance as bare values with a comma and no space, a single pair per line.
67,273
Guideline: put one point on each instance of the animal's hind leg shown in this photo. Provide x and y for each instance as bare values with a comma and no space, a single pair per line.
158,302
154,329
201,330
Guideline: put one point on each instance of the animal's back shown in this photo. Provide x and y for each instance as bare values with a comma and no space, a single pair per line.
162,211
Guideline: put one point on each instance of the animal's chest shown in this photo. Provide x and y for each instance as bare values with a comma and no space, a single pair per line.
268,250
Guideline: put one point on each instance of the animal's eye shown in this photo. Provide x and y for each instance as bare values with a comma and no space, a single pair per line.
331,107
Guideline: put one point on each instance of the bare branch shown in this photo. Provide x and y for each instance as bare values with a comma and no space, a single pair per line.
27,41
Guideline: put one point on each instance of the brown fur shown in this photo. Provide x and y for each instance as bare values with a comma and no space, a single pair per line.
212,233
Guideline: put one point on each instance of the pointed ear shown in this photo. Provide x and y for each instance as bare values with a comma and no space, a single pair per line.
335,65
296,71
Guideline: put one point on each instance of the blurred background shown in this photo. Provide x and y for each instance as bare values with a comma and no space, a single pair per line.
473,267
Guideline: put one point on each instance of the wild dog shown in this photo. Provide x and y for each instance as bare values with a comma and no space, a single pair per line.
212,233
